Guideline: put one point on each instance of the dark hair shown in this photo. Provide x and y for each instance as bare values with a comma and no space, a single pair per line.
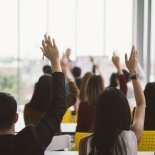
111,118
76,71
47,69
8,109
113,80
149,93
127,75
42,95
95,88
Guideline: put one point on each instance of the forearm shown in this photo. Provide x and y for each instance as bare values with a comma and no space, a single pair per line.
56,67
138,92
119,70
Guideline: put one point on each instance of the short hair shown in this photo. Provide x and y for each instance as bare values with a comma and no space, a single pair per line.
47,69
76,71
8,109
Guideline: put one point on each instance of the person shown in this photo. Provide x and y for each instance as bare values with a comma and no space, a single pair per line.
41,98
121,77
34,139
47,70
76,71
113,132
149,93
94,86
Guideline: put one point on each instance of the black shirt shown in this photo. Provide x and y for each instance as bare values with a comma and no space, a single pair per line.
34,139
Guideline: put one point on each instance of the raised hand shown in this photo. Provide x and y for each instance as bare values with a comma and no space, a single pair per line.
116,60
50,49
131,63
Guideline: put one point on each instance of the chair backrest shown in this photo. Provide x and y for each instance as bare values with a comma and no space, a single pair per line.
147,142
67,117
78,137
62,142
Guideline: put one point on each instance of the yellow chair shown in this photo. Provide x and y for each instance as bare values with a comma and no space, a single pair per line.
147,142
78,137
68,118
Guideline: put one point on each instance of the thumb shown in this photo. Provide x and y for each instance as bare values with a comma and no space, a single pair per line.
126,58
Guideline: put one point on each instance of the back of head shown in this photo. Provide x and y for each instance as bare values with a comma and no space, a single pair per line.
83,85
8,109
95,88
76,71
127,75
113,80
149,93
47,69
111,118
42,95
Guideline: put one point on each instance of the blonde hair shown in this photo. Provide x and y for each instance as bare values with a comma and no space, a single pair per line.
94,88
83,86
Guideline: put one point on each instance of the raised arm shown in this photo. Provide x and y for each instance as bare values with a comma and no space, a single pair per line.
73,89
121,76
138,122
50,123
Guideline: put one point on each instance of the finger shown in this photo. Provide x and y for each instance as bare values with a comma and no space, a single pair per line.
43,44
49,41
42,50
126,58
45,36
43,53
54,44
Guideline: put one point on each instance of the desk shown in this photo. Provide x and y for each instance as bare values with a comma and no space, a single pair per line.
145,153
61,152
68,128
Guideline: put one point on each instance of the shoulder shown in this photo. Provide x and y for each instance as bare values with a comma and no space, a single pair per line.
84,145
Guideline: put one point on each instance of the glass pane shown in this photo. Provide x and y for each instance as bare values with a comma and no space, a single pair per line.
118,26
152,76
90,27
62,23
8,46
33,25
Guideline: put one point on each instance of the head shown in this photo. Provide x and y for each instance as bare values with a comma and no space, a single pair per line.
111,118
8,111
47,69
68,52
149,93
95,88
83,86
114,80
127,75
76,71
42,95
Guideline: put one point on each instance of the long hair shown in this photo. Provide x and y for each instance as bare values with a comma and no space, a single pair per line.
111,118
83,86
149,93
42,95
95,88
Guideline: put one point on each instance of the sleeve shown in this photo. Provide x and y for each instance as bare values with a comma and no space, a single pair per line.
123,84
26,115
73,93
50,123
